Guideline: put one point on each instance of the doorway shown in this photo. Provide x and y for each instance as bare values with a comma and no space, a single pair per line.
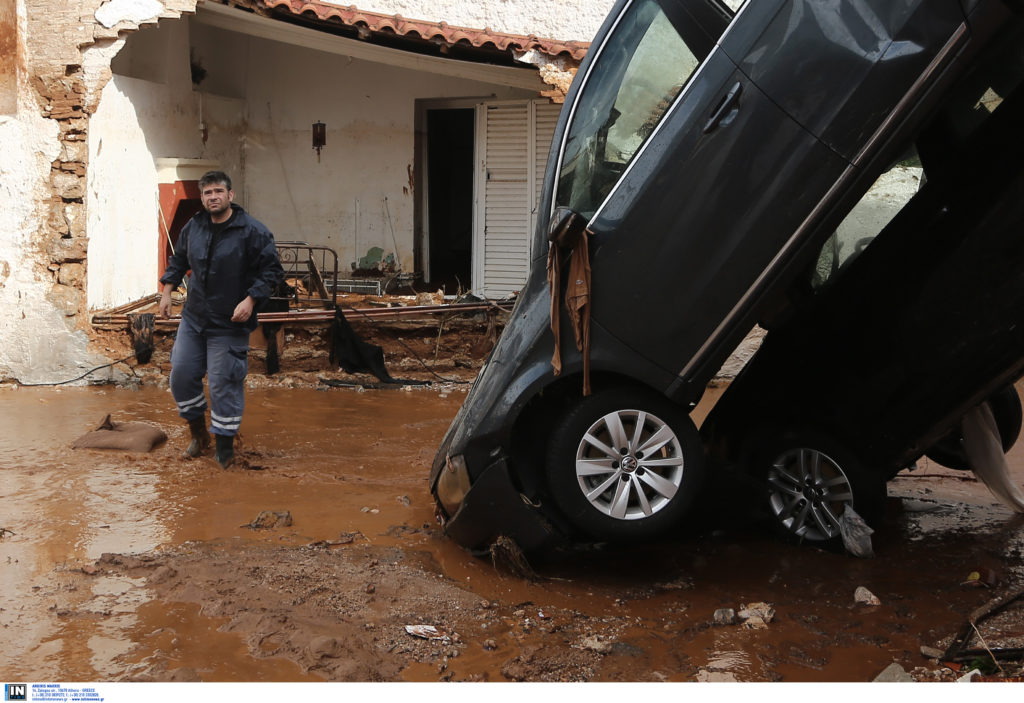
179,201
450,144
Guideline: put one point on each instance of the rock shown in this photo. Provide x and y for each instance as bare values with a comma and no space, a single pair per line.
969,676
268,519
894,673
594,644
490,645
725,616
931,652
865,597
427,632
856,534
709,675
756,616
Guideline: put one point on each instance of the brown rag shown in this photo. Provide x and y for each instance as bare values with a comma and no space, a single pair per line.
577,301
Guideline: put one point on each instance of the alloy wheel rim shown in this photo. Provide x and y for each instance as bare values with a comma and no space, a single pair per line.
629,465
808,493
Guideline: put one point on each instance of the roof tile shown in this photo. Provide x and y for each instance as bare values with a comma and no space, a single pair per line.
440,32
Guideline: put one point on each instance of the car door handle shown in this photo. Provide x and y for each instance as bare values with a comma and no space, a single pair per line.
725,106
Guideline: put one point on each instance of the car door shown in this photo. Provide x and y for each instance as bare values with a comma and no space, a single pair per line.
697,222
684,226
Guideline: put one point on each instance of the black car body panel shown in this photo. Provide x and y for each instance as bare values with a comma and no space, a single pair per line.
925,325
703,208
848,74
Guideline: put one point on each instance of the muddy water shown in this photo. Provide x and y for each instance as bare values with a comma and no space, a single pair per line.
352,465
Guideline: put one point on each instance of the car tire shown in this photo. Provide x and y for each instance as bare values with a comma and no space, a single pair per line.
810,481
1006,409
624,464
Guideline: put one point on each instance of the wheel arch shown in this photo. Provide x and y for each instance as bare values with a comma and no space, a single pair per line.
546,402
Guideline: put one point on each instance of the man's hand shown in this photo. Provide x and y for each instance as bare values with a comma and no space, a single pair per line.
165,302
243,311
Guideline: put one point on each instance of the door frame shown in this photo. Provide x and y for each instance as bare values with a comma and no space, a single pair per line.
421,181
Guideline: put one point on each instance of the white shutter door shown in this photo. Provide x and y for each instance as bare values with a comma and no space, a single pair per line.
513,142
506,199
545,119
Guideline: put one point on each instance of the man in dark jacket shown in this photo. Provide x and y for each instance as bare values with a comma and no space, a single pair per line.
235,268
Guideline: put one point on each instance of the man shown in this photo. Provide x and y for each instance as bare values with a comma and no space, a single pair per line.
234,268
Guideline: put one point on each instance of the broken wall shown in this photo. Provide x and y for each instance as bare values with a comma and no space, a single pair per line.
43,195
153,113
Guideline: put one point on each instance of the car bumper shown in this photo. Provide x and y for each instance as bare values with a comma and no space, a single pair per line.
493,508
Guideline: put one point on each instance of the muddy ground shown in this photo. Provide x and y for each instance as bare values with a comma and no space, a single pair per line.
318,558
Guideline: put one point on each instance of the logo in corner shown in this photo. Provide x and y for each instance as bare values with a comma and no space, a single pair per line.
16,692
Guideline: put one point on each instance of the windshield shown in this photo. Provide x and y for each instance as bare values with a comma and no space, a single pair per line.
634,81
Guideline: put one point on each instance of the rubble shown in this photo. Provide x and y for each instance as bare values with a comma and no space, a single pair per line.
268,519
865,597
894,673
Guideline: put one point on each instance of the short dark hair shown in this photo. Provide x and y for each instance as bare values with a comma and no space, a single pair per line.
211,177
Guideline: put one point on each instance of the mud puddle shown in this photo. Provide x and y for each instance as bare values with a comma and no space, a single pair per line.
147,567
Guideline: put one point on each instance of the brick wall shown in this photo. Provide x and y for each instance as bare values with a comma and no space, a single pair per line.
66,89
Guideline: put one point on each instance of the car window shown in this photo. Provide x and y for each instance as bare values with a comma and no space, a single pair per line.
945,146
883,201
622,103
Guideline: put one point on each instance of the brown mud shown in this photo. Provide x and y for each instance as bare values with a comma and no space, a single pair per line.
151,567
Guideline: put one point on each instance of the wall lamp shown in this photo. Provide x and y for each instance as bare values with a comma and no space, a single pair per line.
319,138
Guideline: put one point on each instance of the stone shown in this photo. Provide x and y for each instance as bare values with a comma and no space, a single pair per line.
865,597
72,274
756,615
64,249
68,300
594,644
69,186
894,673
725,616
268,519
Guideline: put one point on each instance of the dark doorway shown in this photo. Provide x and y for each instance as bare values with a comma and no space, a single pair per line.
450,197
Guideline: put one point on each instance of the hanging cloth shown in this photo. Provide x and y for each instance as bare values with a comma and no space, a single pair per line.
571,234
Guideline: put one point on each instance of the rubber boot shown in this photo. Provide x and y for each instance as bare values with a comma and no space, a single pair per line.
200,437
225,451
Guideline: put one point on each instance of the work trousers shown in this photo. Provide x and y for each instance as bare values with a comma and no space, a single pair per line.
224,355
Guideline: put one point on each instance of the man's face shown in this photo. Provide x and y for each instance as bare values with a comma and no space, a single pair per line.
217,199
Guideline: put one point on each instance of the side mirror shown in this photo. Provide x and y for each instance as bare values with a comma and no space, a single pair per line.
565,227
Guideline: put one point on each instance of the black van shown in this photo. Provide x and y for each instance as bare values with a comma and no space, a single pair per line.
699,165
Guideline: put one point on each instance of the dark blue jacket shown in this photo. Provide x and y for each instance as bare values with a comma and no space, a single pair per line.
241,261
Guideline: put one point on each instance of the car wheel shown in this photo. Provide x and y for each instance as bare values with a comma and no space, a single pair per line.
624,464
1006,409
811,483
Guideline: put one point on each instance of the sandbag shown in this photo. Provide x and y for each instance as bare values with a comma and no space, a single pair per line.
126,436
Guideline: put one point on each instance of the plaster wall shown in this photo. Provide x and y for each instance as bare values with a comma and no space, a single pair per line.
359,194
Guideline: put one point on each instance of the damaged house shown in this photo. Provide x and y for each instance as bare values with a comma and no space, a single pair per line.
409,148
